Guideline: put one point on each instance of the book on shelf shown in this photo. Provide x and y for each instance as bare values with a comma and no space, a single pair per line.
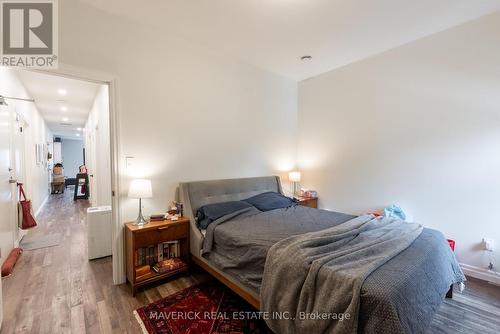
168,265
142,270
153,254
160,252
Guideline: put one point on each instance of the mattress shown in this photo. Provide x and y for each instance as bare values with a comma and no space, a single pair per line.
400,296
240,245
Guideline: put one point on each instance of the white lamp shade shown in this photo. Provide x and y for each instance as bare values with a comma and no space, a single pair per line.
140,188
294,176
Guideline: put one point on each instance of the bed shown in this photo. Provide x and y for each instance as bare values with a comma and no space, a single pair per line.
402,295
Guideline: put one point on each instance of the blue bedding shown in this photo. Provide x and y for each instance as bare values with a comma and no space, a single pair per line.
263,202
211,212
270,201
401,296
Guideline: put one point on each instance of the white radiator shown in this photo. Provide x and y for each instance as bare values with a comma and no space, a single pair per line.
99,231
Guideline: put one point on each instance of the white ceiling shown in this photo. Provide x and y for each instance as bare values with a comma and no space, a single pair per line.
274,34
78,100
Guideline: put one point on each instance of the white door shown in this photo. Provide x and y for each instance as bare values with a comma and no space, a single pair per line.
18,171
7,187
57,155
7,183
91,164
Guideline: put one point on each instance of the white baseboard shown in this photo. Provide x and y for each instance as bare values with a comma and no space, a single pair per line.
480,273
41,206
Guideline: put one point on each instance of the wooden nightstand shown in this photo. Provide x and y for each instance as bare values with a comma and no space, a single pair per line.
311,202
140,243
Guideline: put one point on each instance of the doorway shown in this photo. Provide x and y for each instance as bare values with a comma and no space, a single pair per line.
77,115
32,154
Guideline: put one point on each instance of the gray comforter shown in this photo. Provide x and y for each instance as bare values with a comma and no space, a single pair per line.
401,296
318,276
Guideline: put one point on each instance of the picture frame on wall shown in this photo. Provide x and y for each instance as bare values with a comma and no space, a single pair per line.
37,154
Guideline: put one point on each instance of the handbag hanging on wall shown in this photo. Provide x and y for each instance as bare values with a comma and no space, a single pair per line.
26,219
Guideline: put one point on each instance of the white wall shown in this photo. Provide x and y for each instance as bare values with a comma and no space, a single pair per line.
35,177
57,156
72,156
417,126
186,113
97,149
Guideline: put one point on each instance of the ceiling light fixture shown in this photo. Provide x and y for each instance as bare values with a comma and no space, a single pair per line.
78,129
306,58
65,119
64,108
77,134
62,91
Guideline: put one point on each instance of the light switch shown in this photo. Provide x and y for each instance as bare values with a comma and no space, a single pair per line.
129,162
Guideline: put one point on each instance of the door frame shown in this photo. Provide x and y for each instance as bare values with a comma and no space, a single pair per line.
111,80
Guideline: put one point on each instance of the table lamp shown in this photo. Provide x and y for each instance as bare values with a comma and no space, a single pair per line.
295,178
140,188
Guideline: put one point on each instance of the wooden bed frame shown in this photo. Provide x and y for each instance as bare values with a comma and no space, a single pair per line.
227,282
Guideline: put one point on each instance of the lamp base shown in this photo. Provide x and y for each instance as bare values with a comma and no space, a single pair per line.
140,221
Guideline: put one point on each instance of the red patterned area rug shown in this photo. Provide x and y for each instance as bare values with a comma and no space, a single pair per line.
206,308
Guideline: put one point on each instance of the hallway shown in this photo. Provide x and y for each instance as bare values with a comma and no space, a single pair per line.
57,290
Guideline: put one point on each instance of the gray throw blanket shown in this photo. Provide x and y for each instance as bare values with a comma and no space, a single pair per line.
316,277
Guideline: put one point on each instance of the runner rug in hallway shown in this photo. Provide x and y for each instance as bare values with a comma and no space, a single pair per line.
41,242
206,308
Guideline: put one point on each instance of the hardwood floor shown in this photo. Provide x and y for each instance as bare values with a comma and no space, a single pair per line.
476,310
57,290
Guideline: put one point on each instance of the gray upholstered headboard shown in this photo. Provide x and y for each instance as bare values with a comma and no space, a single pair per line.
195,194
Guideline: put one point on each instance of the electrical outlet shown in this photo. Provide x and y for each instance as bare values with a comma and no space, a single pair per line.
488,244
